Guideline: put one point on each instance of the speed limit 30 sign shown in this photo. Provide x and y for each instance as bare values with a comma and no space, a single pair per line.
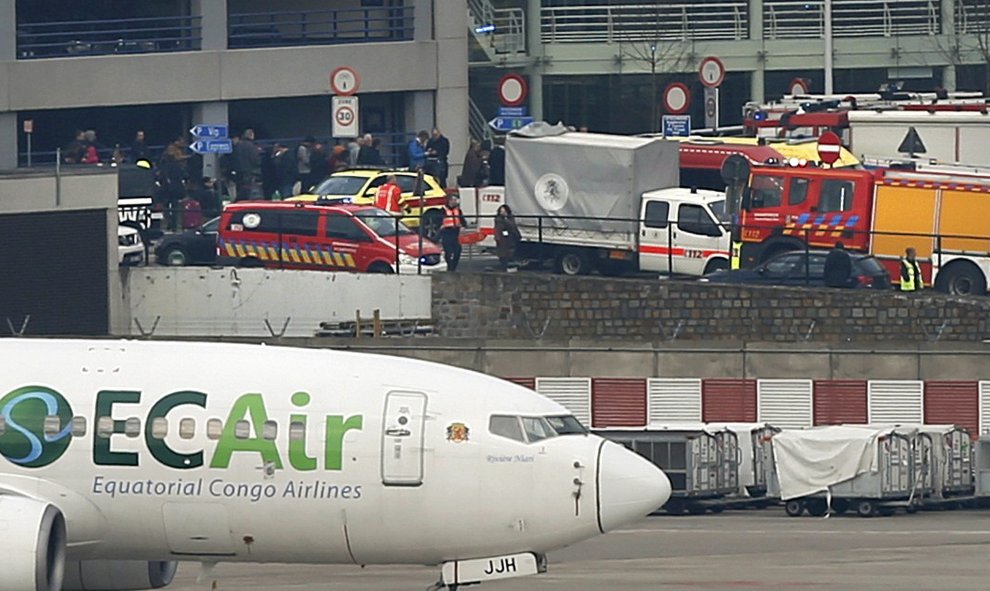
344,114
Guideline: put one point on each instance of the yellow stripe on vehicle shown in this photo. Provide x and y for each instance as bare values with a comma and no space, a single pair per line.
304,254
327,259
349,260
230,249
240,249
272,253
294,254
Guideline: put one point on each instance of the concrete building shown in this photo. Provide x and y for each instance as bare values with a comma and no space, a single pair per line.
604,63
117,67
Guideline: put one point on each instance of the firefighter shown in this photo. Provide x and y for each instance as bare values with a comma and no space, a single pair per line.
450,232
388,196
911,279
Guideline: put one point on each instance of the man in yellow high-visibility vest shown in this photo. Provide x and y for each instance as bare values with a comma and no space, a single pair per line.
911,279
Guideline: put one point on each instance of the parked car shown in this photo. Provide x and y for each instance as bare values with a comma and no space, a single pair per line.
192,247
338,237
800,268
130,247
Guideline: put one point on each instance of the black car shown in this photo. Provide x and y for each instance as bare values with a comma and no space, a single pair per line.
800,268
192,247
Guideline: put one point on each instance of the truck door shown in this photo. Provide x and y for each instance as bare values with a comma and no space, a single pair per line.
695,237
654,236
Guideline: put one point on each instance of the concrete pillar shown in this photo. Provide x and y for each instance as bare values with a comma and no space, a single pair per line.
757,86
213,23
451,114
534,47
420,107
8,140
8,53
422,20
948,17
211,114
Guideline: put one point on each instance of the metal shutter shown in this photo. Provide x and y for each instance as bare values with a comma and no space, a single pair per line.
784,403
524,382
895,401
728,401
674,400
574,394
953,403
840,401
618,402
984,408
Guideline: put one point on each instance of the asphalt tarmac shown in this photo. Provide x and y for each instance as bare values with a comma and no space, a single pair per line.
756,550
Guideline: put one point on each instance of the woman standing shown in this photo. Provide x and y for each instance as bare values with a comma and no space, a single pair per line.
506,236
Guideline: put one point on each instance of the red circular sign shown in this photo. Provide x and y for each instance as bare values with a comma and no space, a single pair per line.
344,81
711,72
798,86
512,90
676,98
829,147
344,116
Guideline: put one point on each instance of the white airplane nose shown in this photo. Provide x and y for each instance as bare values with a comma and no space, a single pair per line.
629,487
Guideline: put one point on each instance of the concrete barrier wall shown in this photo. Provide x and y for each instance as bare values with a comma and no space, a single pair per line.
190,302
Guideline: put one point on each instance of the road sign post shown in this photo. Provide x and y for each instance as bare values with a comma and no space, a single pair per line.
711,108
507,124
345,116
712,74
29,131
206,146
210,139
676,125
676,98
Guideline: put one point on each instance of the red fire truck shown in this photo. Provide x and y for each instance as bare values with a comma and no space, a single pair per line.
942,212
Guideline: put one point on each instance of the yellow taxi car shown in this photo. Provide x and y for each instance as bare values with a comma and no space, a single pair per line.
359,186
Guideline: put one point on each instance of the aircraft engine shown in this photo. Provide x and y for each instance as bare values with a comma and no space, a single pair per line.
32,545
117,575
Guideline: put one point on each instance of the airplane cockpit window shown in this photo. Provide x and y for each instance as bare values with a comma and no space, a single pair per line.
506,426
78,427
297,431
537,429
132,427
214,428
567,425
187,428
242,429
270,430
3,425
159,428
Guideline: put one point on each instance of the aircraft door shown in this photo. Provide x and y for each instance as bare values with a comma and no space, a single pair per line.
403,432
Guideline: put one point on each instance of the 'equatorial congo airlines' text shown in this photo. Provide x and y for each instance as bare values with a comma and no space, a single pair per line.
122,458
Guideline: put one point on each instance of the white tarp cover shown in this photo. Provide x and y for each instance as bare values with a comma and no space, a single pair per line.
574,179
810,461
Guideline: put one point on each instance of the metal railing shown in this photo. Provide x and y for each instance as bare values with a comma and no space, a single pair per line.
798,19
646,22
972,17
510,31
320,27
479,128
104,37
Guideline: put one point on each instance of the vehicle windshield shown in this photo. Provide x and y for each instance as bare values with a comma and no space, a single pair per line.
567,425
718,208
341,184
211,226
871,266
382,223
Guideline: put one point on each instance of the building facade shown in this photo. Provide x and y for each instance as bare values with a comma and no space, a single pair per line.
161,67
604,63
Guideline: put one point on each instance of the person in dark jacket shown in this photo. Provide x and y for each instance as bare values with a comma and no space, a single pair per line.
506,236
496,165
838,267
473,162
437,152
319,167
286,170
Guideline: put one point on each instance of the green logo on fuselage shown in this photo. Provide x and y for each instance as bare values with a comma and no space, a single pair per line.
25,440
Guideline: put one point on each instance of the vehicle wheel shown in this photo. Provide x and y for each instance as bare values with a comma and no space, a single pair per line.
866,508
174,257
431,221
572,262
886,511
817,507
840,506
380,267
794,508
717,509
911,509
962,279
716,265
696,510
674,507
250,263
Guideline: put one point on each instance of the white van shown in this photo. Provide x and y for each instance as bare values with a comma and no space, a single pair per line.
684,232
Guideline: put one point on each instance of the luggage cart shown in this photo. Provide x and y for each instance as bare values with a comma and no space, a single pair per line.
949,482
892,481
702,463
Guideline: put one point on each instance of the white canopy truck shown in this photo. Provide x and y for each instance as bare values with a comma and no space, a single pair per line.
610,203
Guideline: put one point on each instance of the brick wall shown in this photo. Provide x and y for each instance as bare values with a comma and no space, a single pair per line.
530,305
